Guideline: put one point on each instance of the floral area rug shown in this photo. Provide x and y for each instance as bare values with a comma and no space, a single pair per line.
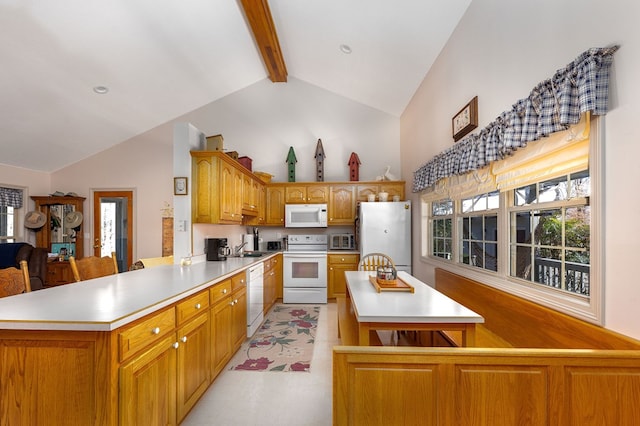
284,342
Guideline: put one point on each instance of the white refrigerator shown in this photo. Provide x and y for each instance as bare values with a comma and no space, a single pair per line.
385,227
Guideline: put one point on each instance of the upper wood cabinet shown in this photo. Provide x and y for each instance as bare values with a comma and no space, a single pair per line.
223,191
363,190
274,214
306,194
342,205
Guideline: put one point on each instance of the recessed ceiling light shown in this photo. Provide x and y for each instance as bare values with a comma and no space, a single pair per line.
345,48
101,90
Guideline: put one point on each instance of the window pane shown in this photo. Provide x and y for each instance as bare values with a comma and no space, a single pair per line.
522,224
525,195
465,227
491,228
442,208
477,229
548,230
548,266
465,255
580,185
491,256
577,229
523,263
553,190
493,200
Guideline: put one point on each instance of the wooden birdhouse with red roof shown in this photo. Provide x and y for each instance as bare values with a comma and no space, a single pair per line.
354,167
319,162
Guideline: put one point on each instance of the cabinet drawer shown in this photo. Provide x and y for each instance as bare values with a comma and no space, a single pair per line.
192,307
343,258
146,332
239,281
220,291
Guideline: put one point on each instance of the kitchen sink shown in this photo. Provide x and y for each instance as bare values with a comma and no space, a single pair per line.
253,254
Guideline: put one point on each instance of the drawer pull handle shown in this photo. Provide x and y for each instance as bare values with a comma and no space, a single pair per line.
184,339
236,301
198,306
224,291
232,303
176,345
156,330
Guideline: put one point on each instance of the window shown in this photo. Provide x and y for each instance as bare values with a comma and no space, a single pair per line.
550,233
7,224
10,206
478,223
442,229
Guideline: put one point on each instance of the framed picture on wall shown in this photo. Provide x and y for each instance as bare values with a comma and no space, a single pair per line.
180,186
465,120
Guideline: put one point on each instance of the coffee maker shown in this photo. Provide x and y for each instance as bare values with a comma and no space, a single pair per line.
216,248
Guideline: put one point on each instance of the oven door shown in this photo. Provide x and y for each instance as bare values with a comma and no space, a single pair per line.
304,270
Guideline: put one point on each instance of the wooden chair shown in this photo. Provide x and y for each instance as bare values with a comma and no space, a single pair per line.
371,261
14,280
93,267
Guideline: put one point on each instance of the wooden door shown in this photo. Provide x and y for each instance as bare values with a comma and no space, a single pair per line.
220,334
274,214
342,205
113,226
193,363
148,386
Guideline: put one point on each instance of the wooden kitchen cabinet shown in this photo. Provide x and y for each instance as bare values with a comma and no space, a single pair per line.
275,205
337,264
58,273
194,351
270,294
148,386
306,194
238,310
277,268
342,205
221,321
392,187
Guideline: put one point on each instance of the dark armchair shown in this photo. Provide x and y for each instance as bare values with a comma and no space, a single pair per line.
12,253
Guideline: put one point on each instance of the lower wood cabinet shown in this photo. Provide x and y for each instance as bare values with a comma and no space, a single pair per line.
221,321
337,264
58,273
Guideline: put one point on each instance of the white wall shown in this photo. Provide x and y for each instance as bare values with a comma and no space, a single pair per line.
499,52
261,121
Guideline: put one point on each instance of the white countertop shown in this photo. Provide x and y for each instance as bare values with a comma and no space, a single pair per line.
104,304
425,305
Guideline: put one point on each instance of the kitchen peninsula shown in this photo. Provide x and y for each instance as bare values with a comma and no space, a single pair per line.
86,353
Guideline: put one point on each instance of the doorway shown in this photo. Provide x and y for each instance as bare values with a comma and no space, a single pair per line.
113,226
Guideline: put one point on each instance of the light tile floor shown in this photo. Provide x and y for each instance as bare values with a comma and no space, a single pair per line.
274,398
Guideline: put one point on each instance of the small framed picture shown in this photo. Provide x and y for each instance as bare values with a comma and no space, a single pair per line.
466,120
180,186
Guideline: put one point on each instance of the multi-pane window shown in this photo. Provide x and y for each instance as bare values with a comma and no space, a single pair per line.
7,224
442,229
479,231
550,233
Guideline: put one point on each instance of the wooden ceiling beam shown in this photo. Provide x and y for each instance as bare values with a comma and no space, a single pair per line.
258,15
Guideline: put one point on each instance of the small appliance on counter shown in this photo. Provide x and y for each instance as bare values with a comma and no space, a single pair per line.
274,245
248,240
216,248
342,242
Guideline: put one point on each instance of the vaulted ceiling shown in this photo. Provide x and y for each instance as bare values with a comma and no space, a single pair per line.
160,59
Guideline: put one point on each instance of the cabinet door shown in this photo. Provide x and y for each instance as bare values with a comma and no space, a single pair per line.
239,320
277,268
275,205
296,194
337,265
202,183
317,194
220,335
247,194
342,205
364,190
393,188
194,363
227,192
148,386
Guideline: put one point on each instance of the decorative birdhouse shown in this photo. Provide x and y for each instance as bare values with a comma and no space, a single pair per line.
319,162
354,167
291,165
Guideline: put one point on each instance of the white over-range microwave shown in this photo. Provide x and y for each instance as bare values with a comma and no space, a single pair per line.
305,215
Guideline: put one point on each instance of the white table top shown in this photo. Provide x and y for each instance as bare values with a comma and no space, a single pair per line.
106,303
425,305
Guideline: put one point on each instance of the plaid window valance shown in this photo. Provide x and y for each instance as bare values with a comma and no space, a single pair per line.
552,106
10,197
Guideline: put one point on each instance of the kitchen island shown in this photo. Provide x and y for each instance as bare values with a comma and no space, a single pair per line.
114,350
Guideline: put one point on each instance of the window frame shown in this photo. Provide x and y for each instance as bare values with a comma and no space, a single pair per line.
587,308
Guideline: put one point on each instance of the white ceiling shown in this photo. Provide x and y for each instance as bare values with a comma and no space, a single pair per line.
161,59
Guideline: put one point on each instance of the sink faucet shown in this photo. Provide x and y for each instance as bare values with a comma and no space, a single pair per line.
237,249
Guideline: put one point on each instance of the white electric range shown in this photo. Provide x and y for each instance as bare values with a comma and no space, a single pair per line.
305,269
